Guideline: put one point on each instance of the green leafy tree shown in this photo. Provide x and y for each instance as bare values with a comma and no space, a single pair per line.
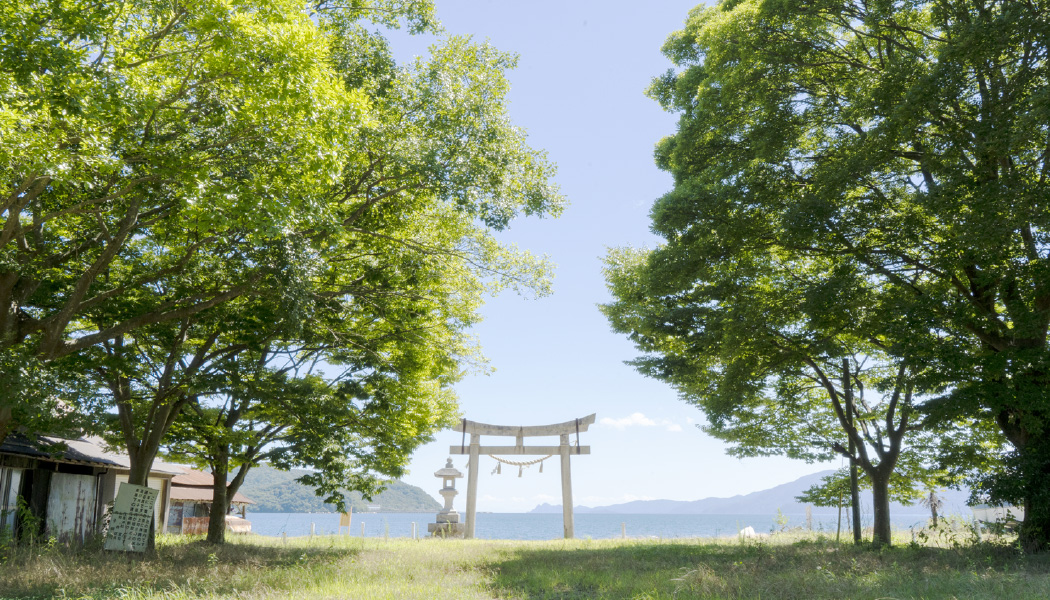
906,140
134,136
389,357
151,374
397,278
140,137
384,275
354,431
783,357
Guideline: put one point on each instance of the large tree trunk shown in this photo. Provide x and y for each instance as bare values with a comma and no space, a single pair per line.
220,499
1035,461
141,463
880,500
143,449
1030,477
223,494
1036,524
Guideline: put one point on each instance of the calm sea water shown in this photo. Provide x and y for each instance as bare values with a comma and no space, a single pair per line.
528,526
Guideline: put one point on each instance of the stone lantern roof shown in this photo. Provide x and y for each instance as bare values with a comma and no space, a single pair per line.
448,471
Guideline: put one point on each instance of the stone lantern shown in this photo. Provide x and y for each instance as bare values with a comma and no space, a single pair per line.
447,524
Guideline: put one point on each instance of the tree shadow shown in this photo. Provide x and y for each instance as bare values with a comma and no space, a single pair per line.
755,570
182,569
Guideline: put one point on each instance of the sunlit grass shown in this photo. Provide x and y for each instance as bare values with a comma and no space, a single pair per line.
798,565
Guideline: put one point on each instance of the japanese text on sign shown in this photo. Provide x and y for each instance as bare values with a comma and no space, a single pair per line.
130,522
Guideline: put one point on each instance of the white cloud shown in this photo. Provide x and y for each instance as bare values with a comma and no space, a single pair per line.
639,420
624,423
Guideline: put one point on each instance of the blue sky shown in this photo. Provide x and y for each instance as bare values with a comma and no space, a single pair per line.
579,92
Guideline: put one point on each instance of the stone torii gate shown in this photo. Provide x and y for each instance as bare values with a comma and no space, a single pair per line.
564,450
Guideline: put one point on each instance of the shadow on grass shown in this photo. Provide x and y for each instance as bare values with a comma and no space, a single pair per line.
754,570
183,569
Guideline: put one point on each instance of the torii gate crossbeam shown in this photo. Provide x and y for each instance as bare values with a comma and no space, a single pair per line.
563,449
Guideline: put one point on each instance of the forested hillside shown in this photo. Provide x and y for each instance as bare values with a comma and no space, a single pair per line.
278,491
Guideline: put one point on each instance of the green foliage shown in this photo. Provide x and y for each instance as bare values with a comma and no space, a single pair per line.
140,144
162,161
785,355
246,225
899,148
780,520
42,396
30,526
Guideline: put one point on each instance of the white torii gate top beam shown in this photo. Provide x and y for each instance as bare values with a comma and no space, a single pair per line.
573,426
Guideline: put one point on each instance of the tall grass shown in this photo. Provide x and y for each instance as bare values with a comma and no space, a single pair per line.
781,566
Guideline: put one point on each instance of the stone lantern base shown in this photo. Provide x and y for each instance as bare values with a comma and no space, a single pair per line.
446,529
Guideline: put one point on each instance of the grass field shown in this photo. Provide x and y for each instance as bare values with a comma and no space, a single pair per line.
783,566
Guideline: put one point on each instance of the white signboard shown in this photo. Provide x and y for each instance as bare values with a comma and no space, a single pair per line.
130,521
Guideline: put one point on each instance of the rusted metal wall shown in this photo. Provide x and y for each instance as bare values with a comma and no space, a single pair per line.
195,525
71,507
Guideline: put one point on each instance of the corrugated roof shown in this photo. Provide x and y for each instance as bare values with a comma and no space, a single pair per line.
193,477
202,494
197,485
89,449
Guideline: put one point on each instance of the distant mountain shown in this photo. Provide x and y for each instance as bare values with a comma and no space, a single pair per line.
781,497
277,491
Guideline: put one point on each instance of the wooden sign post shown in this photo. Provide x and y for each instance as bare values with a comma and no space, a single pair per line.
566,431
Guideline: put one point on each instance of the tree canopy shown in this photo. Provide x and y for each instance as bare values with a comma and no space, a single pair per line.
191,189
903,141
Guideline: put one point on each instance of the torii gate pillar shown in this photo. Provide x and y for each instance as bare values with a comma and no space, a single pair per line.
563,449
472,485
566,488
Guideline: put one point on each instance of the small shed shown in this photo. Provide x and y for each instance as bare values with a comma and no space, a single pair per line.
66,484
191,500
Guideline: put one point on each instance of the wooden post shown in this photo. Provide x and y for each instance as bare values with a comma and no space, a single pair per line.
472,484
566,487
838,532
854,488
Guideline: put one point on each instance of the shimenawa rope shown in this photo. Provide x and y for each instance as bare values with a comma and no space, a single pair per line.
520,464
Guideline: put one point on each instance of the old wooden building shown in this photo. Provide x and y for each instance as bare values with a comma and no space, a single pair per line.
191,495
61,487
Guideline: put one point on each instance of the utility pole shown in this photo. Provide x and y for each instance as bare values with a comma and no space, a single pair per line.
854,492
